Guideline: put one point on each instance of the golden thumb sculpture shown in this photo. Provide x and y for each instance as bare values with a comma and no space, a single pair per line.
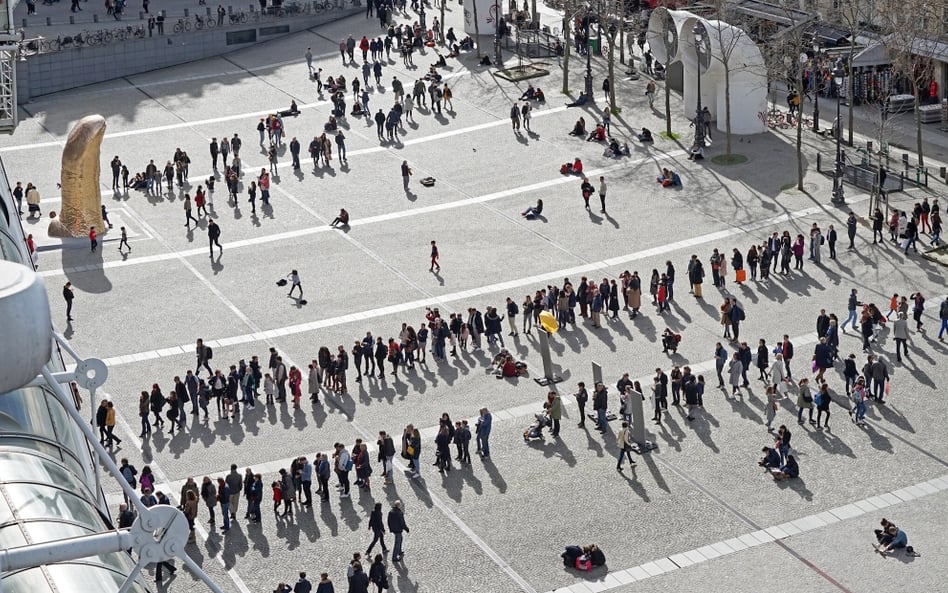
548,322
82,200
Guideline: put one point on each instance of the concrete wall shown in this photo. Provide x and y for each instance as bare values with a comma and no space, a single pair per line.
49,73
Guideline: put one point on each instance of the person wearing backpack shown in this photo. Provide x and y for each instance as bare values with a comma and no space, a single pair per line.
204,354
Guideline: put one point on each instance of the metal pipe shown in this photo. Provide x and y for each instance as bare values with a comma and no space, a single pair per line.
13,559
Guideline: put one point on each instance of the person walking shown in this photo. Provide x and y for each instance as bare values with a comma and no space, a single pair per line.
188,217
110,425
900,333
377,528
624,443
93,239
294,278
68,296
397,526
435,255
213,236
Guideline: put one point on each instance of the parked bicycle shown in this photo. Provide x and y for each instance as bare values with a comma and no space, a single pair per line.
204,22
183,25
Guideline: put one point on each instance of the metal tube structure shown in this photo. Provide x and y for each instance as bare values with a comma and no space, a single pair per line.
699,33
12,559
589,72
498,57
816,87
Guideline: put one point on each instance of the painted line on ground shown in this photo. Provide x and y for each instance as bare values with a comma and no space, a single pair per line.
419,304
407,213
776,533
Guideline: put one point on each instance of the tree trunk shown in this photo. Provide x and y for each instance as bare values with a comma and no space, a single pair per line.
668,109
536,15
477,31
727,110
622,32
566,46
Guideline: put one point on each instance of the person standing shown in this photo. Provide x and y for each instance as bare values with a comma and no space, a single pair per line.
600,405
515,117
581,398
213,236
377,529
406,170
303,585
323,473
555,411
397,526
482,432
602,192
720,359
223,495
235,483
110,425
435,255
93,238
900,332
309,59
831,238
68,296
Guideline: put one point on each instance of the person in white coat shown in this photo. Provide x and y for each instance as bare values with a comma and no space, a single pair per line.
735,370
778,373
900,332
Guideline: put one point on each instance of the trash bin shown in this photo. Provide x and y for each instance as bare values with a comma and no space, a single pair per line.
594,43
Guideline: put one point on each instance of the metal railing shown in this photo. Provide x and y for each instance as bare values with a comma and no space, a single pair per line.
178,25
860,174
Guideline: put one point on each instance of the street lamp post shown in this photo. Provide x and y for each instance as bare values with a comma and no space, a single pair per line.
589,72
818,74
838,192
699,33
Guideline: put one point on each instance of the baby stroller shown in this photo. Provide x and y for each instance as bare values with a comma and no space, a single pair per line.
535,430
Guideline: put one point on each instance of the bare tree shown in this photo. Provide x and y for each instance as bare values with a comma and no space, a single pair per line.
785,54
911,23
853,15
477,30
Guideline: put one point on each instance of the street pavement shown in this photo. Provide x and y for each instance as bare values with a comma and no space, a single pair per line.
674,522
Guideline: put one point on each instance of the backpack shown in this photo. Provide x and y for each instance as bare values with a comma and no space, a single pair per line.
740,314
128,472
349,464
583,563
210,353
818,400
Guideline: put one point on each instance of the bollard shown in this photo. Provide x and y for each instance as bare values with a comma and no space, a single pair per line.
95,18
943,172
597,373
549,377
638,418
208,9
905,160
869,145
819,160
72,20
187,13
24,23
49,22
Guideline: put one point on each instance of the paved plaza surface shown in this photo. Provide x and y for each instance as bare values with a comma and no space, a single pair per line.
695,513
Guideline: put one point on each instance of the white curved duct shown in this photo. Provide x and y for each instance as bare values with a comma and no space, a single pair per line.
674,39
488,13
27,328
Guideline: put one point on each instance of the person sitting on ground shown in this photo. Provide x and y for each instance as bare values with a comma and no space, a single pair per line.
467,44
696,154
670,341
341,82
140,182
433,75
357,109
899,540
528,94
665,178
440,62
331,85
617,150
539,96
771,458
331,125
595,555
294,110
533,212
788,470
599,134
485,61
580,101
579,128
578,166
645,135
882,535
342,219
